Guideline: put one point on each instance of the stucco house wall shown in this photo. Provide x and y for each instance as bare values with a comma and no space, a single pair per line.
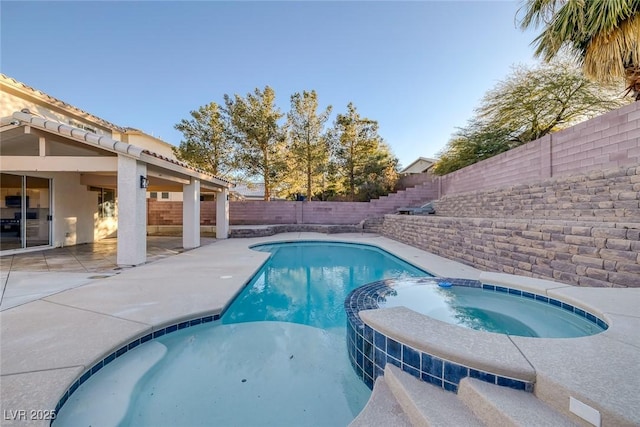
15,96
84,156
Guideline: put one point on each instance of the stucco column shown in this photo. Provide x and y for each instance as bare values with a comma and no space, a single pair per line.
222,214
132,212
191,214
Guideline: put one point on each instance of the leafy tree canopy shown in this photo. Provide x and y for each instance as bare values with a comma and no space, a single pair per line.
308,144
206,143
364,163
248,136
259,138
530,103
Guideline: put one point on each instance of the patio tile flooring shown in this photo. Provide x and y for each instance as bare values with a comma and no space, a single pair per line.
91,257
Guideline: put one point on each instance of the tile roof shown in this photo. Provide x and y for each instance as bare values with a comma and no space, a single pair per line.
102,141
186,165
58,103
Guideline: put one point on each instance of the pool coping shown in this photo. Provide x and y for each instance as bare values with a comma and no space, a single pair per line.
37,369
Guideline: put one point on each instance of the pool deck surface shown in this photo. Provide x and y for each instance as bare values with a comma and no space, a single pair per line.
69,320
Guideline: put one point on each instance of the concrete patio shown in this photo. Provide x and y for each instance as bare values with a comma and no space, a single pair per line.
34,275
82,311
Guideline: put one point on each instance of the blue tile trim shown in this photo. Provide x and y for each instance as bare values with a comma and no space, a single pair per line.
370,350
130,346
369,359
542,298
367,297
556,303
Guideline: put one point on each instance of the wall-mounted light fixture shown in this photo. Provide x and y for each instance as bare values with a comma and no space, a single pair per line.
144,182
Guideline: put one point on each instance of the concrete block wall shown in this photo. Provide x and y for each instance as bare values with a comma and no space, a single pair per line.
258,212
408,181
582,230
333,213
170,212
608,141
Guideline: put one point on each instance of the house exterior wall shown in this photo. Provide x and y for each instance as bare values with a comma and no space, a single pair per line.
150,143
417,167
75,216
13,100
14,97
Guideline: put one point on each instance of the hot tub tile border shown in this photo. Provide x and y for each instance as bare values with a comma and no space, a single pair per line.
368,357
368,361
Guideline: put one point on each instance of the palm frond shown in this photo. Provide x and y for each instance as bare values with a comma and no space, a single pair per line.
610,54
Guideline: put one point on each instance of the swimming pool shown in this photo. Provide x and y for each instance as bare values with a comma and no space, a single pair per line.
281,344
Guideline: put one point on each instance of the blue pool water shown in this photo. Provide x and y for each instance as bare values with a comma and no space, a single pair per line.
486,310
276,358
307,283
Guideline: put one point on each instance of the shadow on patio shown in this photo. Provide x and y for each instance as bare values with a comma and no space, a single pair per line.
90,257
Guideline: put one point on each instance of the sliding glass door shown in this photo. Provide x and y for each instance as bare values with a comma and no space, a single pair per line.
11,211
37,212
25,211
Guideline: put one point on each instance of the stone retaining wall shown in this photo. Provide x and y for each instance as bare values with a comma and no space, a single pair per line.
611,195
572,252
582,230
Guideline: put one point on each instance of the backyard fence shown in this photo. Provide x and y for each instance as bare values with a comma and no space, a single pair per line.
608,141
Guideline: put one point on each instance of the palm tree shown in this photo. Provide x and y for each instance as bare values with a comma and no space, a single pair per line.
604,35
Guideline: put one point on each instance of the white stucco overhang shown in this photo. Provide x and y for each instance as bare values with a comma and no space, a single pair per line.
95,153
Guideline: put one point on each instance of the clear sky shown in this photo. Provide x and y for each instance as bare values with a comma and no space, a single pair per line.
418,68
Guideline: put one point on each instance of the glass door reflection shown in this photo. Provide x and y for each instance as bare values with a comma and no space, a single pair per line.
11,211
25,211
37,211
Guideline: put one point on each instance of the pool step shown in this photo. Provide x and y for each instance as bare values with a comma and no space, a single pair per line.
399,399
426,404
503,406
382,409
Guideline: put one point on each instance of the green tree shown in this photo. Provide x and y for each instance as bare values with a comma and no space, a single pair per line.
604,35
259,138
470,144
530,103
308,144
363,161
380,173
534,101
206,144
